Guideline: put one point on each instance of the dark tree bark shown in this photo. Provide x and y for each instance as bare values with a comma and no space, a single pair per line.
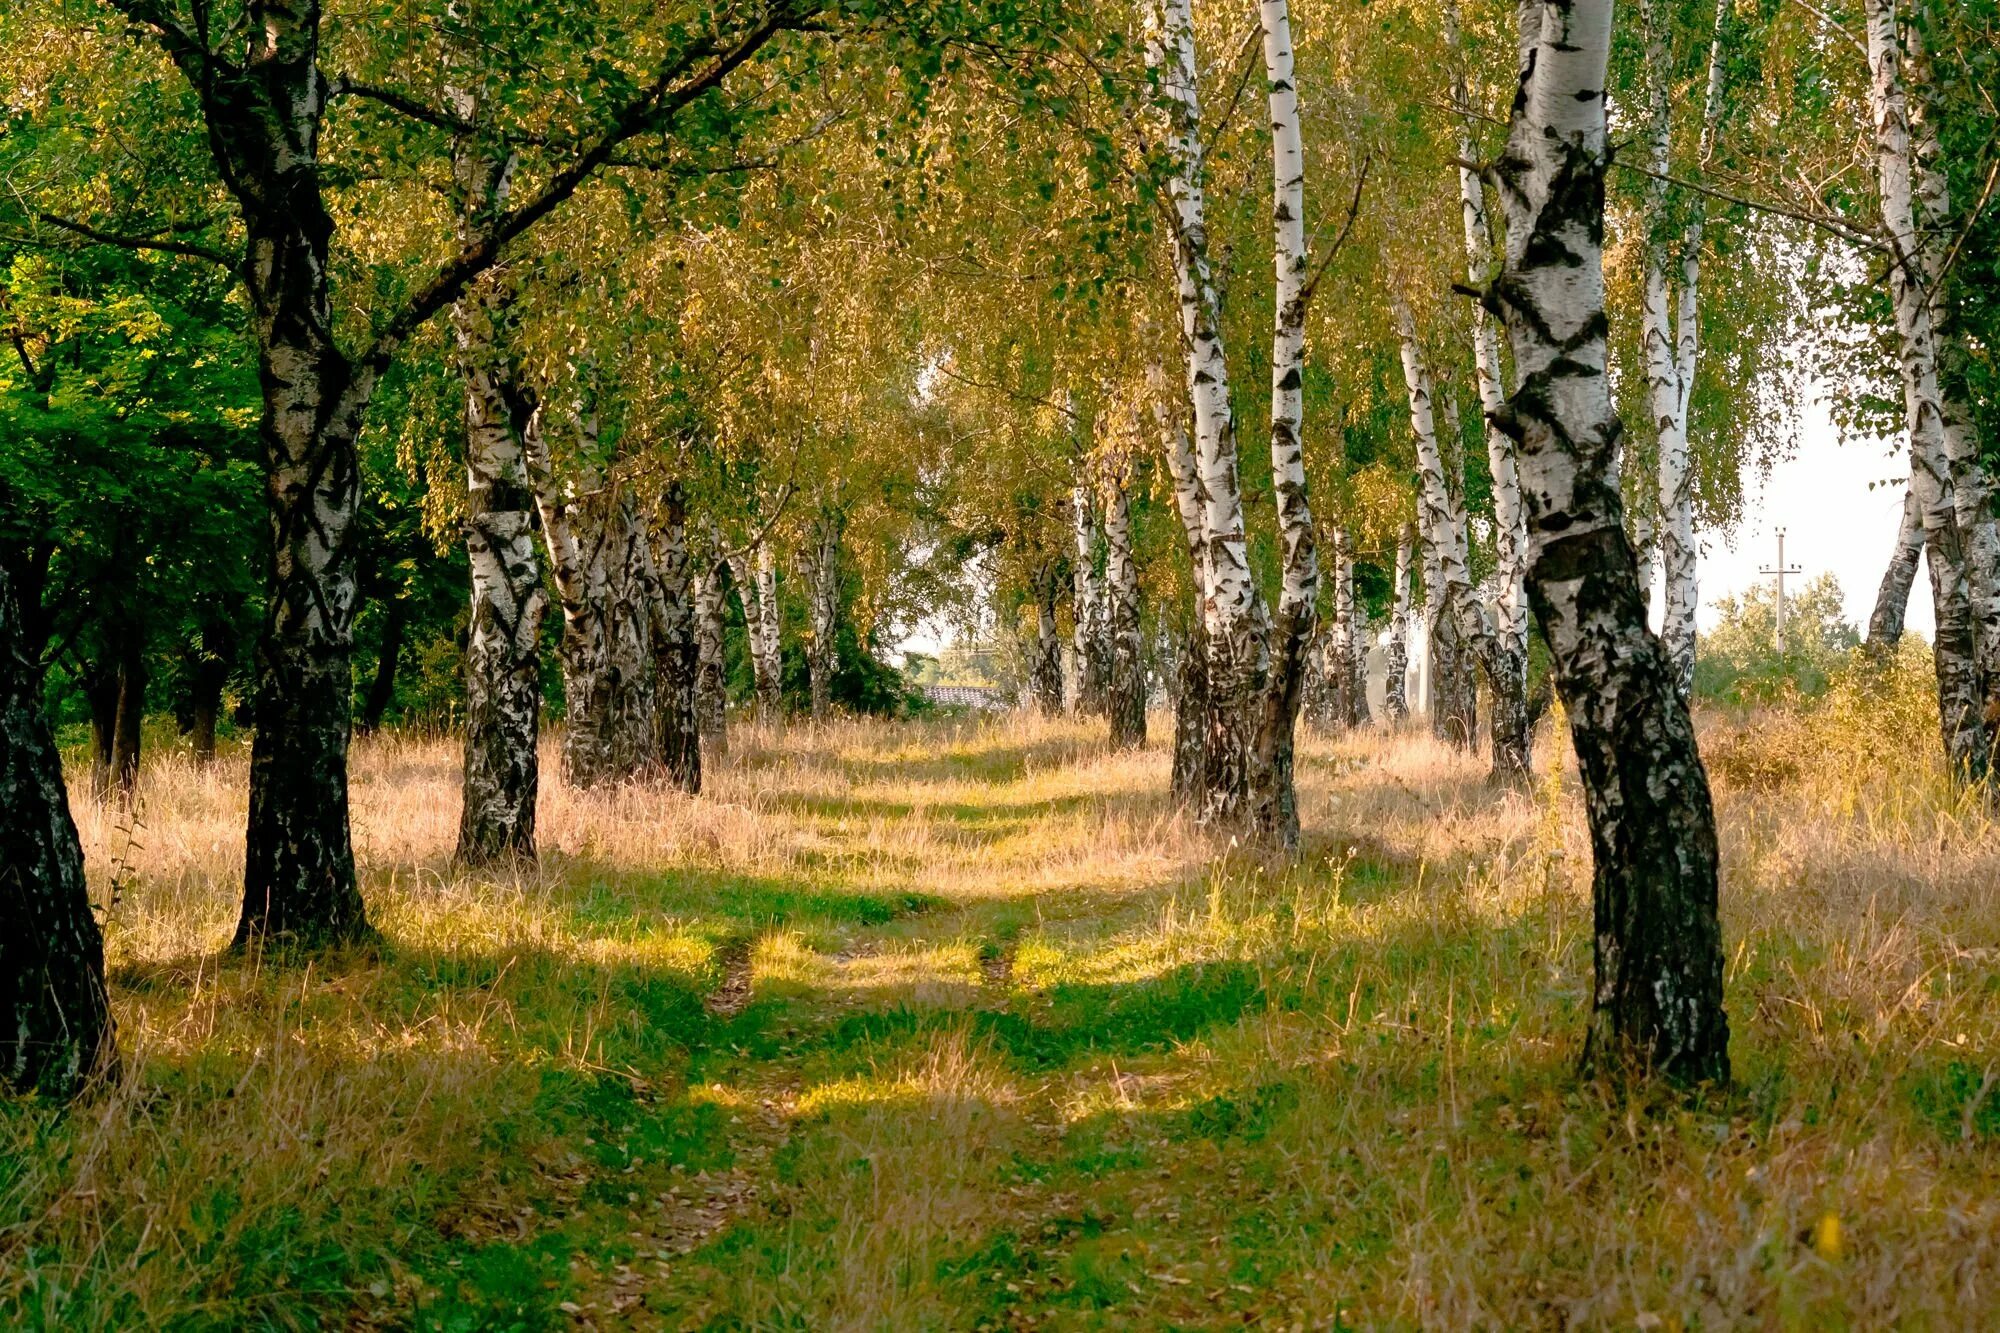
1045,676
677,656
214,658
711,597
382,685
1657,1003
127,736
100,694
825,611
1191,715
55,1018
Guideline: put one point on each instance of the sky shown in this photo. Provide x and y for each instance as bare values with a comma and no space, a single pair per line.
1832,521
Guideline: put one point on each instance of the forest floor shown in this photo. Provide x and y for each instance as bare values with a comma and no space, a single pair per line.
957,1025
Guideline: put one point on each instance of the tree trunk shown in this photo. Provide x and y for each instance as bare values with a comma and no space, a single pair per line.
1396,666
1045,674
100,694
215,656
1657,1002
129,731
1237,656
766,653
55,1018
1191,677
1274,795
382,687
503,676
1126,697
1087,626
1671,331
1505,651
677,656
298,866
1966,747
825,613
710,696
1892,599
1354,646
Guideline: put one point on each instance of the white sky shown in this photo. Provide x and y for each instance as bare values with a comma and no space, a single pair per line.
1832,521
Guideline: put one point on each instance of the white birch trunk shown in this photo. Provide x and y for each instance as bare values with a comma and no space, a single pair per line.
1191,681
1126,688
825,613
1657,1004
766,658
1671,330
1232,611
1274,797
1395,690
1509,650
1087,625
1954,648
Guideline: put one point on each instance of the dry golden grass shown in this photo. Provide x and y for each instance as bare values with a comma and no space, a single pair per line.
993,1038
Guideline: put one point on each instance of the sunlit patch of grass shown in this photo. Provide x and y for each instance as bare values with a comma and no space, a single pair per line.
958,1024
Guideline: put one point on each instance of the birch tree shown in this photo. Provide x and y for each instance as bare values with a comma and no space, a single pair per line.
1273,794
1657,1002
55,1017
669,581
1088,624
824,577
1671,327
1125,695
1396,664
1235,624
1954,644
764,619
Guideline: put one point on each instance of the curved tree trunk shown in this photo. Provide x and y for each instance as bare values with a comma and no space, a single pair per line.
1966,748
1892,599
55,1018
382,687
1657,1002
503,677
128,733
1237,657
1126,696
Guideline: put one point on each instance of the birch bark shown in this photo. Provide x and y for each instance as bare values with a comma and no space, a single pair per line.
676,655
1671,330
1191,679
825,612
1953,645
766,659
1507,653
1126,693
1395,692
1274,798
1087,624
55,1017
1892,599
1045,673
711,703
1657,1002
1234,619
503,690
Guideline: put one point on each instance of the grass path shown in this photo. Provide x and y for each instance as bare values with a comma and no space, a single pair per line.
960,1027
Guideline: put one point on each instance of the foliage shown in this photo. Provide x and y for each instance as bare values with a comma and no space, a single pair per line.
1738,662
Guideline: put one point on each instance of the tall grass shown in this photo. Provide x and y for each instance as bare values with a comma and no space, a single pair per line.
958,1023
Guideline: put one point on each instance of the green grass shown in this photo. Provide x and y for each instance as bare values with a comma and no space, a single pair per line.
1084,1076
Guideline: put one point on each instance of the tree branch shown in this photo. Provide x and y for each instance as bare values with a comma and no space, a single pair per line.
186,249
342,86
658,103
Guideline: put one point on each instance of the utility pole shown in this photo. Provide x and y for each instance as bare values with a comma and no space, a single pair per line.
1781,570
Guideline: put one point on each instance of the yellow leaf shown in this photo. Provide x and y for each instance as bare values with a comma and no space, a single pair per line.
1826,1241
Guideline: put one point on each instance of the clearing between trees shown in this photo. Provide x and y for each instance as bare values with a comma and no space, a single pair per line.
961,1024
